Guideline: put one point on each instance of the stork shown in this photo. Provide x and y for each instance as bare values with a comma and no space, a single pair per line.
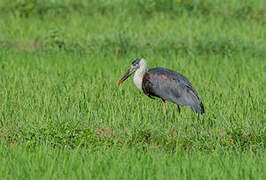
165,84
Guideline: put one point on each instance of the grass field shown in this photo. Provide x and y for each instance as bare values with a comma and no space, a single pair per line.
63,115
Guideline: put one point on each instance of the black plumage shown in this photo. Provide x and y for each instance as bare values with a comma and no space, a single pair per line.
171,86
165,84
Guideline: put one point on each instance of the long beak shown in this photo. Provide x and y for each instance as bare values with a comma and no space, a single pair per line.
128,73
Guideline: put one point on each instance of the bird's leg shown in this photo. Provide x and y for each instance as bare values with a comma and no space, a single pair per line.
178,107
164,110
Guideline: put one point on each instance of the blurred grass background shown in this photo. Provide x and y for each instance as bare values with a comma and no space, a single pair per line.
62,112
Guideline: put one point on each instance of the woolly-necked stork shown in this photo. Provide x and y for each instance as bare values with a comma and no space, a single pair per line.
165,84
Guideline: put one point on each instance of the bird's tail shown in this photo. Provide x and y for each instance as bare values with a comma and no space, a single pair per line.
197,105
198,108
201,109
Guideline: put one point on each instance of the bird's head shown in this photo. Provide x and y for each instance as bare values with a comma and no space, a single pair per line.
136,64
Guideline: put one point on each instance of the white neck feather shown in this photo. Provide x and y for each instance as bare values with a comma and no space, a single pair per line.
139,73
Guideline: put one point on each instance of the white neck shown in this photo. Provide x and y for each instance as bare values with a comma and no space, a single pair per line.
139,73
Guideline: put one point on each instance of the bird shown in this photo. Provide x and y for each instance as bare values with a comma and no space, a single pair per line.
165,84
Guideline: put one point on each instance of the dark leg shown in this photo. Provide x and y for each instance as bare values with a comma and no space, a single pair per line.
178,107
164,110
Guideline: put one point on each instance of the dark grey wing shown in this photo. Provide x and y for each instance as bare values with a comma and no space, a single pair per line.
172,86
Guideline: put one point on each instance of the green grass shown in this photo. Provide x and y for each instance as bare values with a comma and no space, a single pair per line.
46,163
63,115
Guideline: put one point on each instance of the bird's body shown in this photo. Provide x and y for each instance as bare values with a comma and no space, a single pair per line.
171,86
165,84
